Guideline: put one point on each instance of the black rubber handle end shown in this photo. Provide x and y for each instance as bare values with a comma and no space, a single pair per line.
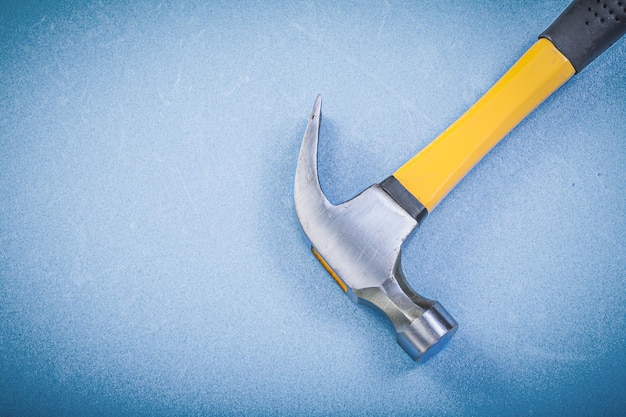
586,29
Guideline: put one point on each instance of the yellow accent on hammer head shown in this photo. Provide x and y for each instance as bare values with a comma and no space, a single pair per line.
329,269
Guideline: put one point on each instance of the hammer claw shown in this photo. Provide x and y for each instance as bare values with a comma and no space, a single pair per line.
309,198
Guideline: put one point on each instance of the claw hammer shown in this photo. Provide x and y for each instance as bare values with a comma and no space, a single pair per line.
359,242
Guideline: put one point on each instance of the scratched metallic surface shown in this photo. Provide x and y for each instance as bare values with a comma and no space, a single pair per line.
151,262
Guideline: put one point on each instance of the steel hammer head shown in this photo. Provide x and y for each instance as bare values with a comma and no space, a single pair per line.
359,243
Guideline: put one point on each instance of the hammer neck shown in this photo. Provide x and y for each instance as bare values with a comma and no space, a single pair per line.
404,198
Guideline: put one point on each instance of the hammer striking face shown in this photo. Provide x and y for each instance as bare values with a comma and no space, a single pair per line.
359,242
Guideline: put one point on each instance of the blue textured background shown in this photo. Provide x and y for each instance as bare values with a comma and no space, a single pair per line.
151,262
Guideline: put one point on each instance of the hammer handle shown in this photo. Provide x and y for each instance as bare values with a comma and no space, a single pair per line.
582,32
432,173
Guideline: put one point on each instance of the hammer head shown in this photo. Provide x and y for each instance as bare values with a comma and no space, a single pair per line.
359,243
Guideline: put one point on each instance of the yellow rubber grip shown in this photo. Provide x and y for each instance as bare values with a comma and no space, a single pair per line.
432,173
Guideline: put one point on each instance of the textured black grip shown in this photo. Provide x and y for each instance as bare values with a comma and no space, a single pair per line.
586,28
